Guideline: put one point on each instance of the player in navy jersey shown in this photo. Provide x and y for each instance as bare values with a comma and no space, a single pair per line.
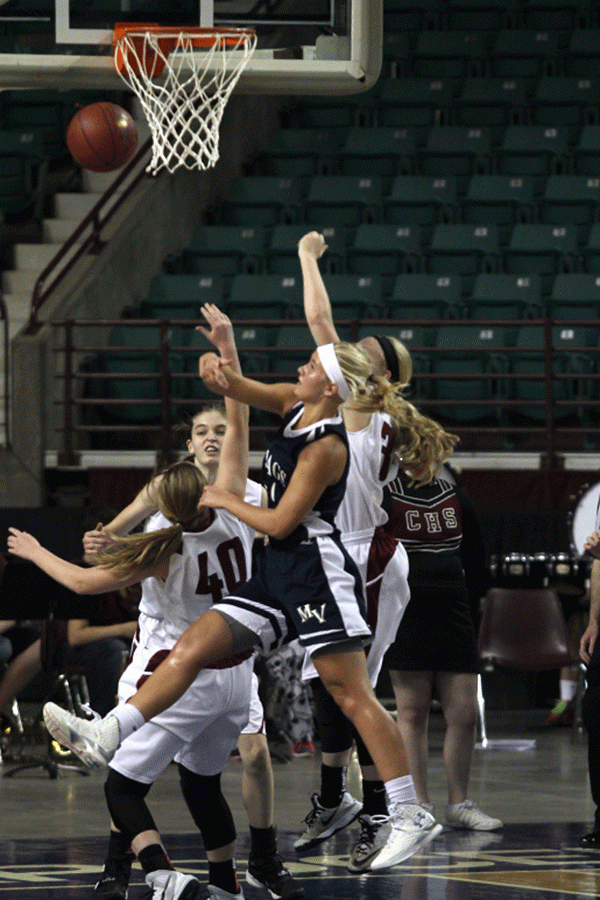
381,559
305,584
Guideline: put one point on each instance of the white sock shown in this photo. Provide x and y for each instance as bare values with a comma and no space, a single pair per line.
401,790
129,719
568,689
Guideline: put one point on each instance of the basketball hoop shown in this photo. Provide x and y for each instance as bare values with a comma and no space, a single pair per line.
183,79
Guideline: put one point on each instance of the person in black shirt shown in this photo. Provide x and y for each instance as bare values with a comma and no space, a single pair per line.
435,646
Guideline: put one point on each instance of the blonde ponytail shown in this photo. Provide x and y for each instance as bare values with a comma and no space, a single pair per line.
179,493
422,444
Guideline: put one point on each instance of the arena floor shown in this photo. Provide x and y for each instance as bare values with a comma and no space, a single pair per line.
53,831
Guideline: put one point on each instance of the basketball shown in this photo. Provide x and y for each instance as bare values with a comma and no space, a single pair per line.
102,137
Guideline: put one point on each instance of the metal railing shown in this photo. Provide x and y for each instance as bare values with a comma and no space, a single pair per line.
565,401
87,236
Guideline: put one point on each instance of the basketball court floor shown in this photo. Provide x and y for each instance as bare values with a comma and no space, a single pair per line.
53,832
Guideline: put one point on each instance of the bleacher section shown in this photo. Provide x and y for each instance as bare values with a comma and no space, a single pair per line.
464,186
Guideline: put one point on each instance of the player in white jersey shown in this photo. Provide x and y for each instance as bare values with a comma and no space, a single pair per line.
265,866
382,562
190,564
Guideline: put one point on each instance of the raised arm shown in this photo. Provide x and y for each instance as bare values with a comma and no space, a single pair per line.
232,472
317,307
76,578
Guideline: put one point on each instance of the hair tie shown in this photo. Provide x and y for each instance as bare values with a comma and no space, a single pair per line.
390,355
333,370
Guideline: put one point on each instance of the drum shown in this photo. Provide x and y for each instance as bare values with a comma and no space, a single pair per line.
583,517
518,570
569,574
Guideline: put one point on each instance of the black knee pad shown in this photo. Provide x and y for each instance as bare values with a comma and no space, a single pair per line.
334,729
208,807
364,757
126,804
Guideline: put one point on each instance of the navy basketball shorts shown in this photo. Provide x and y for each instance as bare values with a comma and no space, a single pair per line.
311,591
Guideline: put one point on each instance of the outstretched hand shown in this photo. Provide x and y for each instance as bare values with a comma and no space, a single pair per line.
97,540
212,497
210,369
220,330
22,544
312,244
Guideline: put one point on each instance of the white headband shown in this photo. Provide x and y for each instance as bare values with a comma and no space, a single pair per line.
333,370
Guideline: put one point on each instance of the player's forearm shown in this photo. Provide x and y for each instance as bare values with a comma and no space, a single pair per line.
317,306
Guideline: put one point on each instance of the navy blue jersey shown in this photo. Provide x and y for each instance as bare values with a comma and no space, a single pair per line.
279,465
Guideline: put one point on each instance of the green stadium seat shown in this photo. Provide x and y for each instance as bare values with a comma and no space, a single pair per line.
353,296
264,296
586,153
591,251
398,45
571,200
422,296
542,249
457,150
421,200
343,200
466,250
409,15
181,296
23,173
501,200
493,102
294,345
386,250
294,152
134,353
476,354
536,151
527,53
282,249
582,57
528,369
262,200
501,296
556,15
566,100
340,111
450,54
225,249
388,151
40,112
575,296
480,15
415,102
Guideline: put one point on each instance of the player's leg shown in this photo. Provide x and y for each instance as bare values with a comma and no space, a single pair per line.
345,676
333,808
413,691
458,696
138,763
265,865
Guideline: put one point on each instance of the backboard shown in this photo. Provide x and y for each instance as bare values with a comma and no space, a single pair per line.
304,46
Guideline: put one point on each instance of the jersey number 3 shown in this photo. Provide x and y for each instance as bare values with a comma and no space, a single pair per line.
232,561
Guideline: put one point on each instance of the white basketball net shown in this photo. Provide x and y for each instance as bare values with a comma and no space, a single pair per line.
185,104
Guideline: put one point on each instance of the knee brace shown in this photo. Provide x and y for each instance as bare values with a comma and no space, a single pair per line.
126,804
334,729
208,807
